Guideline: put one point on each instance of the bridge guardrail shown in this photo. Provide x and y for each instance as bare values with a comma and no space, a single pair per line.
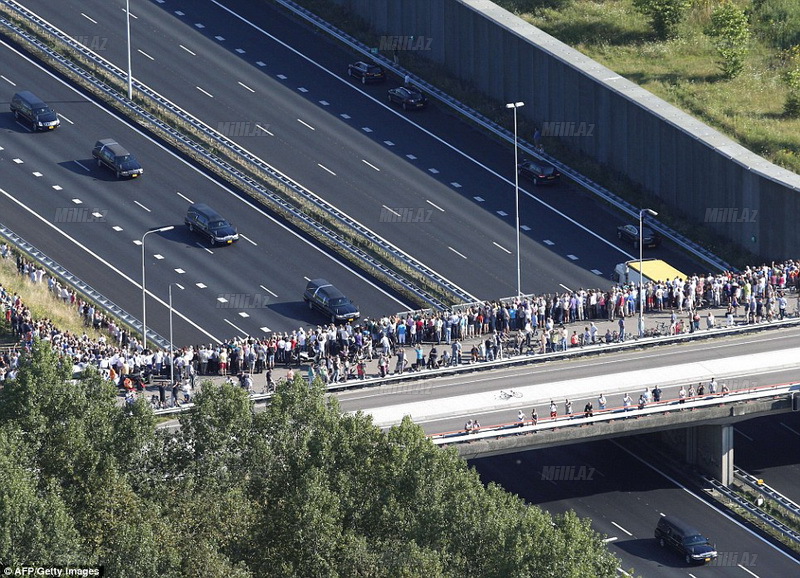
505,134
411,377
494,431
345,221
754,510
88,292
759,486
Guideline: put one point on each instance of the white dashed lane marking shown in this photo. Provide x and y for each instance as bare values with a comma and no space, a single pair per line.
458,253
305,124
501,247
621,528
142,206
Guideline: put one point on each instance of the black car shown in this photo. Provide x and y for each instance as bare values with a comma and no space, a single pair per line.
366,72
113,155
540,172
408,98
27,105
207,222
326,298
630,233
686,540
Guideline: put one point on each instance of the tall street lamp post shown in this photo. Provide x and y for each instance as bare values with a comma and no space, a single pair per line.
515,106
128,24
641,273
171,346
144,290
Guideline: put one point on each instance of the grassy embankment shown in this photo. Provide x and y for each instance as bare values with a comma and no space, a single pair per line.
41,302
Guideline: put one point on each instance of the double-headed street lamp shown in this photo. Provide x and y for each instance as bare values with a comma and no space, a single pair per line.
641,272
144,291
515,106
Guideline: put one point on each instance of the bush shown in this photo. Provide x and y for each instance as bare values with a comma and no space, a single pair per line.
777,22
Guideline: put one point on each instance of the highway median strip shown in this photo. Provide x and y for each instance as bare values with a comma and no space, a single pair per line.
342,235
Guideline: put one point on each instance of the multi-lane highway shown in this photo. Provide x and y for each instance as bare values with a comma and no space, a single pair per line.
618,487
246,65
55,196
769,448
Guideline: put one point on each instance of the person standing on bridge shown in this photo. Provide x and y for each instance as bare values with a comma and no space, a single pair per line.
520,418
553,410
626,402
588,410
681,395
656,394
568,408
601,402
534,417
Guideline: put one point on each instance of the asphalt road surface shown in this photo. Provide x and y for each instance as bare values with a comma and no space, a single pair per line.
55,196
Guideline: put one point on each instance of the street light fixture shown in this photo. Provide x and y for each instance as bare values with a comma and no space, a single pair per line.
144,291
641,273
515,106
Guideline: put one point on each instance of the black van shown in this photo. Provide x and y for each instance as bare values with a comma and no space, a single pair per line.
326,298
27,105
113,155
209,223
678,535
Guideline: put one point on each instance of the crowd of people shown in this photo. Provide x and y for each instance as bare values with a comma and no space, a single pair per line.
399,343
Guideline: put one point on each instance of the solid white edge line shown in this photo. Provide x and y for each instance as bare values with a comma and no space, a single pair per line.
105,262
334,258
704,502
424,130
748,571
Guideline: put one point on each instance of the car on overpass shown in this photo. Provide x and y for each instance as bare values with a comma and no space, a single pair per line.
630,233
366,72
408,98
540,172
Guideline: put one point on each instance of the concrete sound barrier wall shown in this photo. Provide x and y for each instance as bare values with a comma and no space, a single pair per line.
692,167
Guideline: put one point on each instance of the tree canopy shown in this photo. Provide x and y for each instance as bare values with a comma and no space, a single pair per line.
296,490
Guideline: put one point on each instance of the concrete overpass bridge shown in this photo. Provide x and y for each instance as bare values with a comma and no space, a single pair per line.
759,373
698,431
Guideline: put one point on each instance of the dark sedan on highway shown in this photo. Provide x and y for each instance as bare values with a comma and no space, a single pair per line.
408,98
539,172
366,72
630,233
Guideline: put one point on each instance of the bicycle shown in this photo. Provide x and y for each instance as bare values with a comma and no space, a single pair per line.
509,394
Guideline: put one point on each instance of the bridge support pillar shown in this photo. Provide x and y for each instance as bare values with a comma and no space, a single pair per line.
710,449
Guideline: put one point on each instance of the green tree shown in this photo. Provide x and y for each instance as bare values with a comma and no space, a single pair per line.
791,78
35,524
729,31
297,490
664,15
